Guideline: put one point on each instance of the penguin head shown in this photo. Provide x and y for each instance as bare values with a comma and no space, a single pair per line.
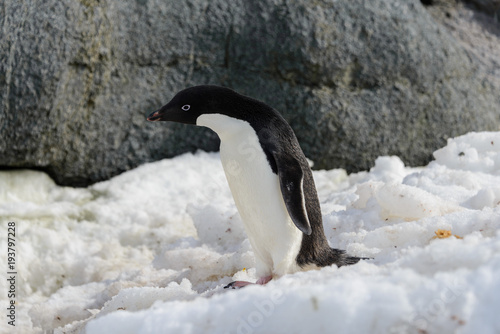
193,102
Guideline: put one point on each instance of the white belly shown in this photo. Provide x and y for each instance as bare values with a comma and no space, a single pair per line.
256,192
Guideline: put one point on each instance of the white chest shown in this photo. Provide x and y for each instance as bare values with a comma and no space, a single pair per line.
256,192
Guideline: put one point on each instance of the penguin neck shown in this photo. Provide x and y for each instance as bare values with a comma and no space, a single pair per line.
225,126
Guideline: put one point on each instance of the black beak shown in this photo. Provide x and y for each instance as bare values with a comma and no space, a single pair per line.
172,115
154,116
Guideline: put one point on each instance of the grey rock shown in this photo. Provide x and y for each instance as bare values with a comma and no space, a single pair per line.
355,79
491,7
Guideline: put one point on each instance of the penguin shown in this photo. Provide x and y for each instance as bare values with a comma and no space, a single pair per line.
269,178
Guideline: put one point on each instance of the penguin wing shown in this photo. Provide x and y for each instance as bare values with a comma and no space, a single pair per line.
291,179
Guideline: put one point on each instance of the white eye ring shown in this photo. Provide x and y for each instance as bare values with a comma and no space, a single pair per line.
186,107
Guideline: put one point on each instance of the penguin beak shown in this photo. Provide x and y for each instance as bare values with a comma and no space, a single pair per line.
154,116
172,115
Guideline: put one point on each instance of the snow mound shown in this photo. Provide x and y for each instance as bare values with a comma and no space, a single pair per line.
475,152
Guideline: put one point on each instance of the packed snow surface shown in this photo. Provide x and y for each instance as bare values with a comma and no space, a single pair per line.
150,250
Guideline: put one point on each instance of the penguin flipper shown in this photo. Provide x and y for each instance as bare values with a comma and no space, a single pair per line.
291,178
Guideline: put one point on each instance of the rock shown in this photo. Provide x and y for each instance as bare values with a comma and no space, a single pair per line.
491,7
355,79
477,32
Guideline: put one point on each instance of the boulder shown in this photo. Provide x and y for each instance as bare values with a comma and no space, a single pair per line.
491,7
355,79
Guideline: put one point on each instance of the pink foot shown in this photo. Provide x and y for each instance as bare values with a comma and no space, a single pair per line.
240,284
264,280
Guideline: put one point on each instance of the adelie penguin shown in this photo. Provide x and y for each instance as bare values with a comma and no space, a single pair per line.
269,177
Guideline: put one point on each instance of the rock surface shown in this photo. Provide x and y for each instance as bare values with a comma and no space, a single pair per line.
491,7
355,79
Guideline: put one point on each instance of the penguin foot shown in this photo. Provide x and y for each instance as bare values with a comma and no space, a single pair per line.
240,284
237,285
264,280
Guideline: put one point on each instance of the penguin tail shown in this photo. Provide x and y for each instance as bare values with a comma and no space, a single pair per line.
328,256
343,259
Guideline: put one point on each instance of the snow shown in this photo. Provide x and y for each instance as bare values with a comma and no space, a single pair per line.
150,250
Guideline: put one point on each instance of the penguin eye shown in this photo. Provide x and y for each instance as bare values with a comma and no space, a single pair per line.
186,107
